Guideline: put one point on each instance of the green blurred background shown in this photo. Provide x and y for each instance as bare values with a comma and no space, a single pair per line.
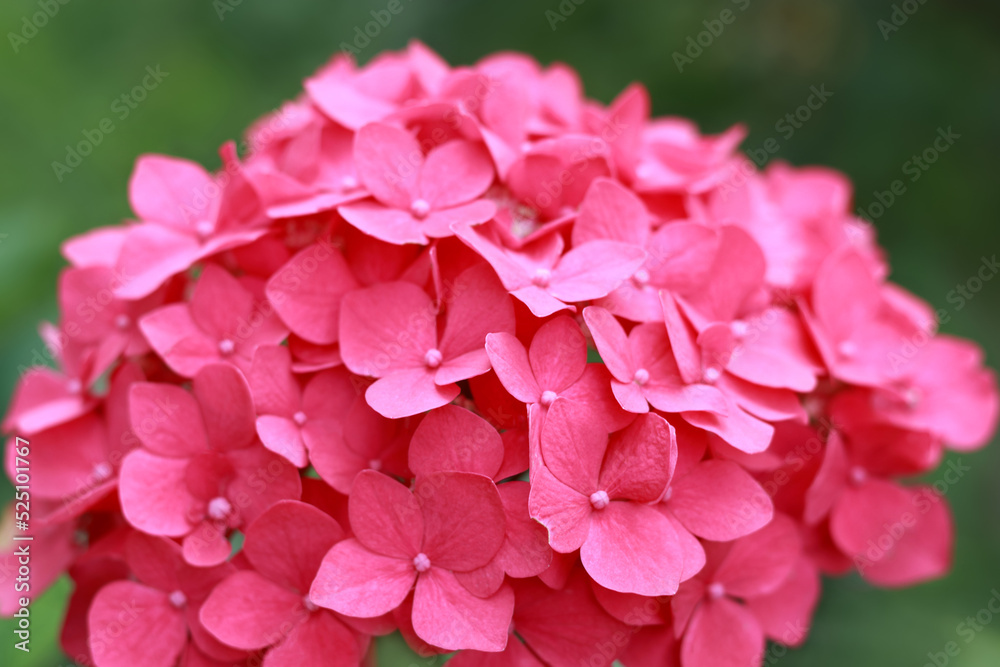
230,61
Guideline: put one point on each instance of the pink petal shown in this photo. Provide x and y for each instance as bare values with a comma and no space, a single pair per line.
565,513
177,339
169,190
632,548
290,522
640,460
131,624
154,493
463,519
896,536
150,255
388,160
447,615
219,302
383,223
736,273
454,173
386,327
611,211
166,419
318,641
611,342
759,563
357,582
249,611
226,404
592,270
558,354
719,501
510,362
525,551
478,306
409,392
281,435
206,545
452,439
306,292
572,447
786,614
830,480
744,639
741,430
385,517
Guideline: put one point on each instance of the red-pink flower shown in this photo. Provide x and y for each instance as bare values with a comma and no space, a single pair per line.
453,522
592,495
267,606
417,196
201,470
392,332
223,321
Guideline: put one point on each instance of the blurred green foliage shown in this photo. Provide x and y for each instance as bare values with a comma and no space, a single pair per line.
230,61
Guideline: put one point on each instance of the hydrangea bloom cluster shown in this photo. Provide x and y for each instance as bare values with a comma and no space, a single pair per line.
461,353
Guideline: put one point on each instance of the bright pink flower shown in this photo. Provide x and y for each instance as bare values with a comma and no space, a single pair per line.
452,523
417,196
545,279
200,470
564,626
591,495
554,366
150,620
895,535
307,290
860,325
222,322
452,439
326,422
268,606
947,392
709,606
391,332
188,216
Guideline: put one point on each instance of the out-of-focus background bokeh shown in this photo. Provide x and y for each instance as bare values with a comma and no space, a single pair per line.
898,73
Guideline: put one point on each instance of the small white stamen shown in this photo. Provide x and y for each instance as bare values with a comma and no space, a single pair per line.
716,590
421,563
599,500
420,208
226,346
204,227
847,348
219,508
299,418
541,278
178,599
433,358
548,397
102,471
641,377
122,321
